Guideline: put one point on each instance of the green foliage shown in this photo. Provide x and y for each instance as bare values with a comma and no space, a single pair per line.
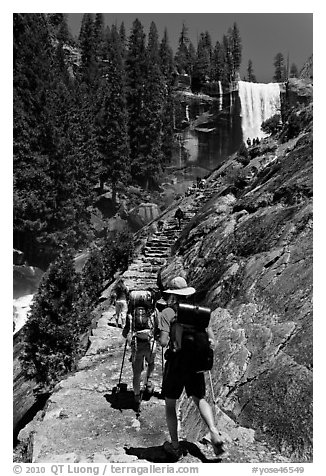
272,125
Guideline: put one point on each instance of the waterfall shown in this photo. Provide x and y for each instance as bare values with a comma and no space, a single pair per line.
220,91
258,102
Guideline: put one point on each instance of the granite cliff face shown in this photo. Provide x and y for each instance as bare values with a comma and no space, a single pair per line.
248,252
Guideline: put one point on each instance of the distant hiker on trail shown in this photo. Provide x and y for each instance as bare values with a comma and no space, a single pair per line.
160,225
140,330
179,215
119,298
182,369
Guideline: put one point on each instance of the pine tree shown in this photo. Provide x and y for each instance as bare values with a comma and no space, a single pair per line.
166,58
236,49
153,109
191,57
98,31
227,72
87,43
182,56
167,68
202,66
280,68
218,62
112,120
250,73
51,333
294,72
136,65
123,40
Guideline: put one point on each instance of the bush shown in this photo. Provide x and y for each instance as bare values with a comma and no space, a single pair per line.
293,126
117,252
272,125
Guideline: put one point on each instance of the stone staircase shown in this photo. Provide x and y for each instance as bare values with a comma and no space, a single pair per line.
142,272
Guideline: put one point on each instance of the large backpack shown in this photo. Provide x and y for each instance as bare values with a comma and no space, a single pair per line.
192,322
141,311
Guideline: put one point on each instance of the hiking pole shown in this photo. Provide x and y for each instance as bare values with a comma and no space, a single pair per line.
123,359
211,382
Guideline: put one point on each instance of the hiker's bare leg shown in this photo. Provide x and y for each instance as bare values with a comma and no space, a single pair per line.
206,413
137,367
123,314
172,420
150,358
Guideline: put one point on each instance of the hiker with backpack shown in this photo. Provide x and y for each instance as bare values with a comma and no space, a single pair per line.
185,330
179,215
141,331
119,297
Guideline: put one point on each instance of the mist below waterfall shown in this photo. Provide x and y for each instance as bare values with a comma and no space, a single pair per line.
259,101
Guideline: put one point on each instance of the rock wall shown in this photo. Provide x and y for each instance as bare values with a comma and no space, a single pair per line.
249,255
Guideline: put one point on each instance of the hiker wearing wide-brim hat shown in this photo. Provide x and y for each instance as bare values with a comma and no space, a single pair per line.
177,374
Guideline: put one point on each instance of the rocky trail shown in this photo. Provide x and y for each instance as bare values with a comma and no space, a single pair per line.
85,421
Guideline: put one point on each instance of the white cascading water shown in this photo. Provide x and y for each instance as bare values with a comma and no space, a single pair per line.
220,91
259,101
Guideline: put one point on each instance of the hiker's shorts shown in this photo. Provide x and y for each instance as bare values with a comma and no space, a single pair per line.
177,377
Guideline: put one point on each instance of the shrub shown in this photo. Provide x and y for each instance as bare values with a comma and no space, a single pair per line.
272,125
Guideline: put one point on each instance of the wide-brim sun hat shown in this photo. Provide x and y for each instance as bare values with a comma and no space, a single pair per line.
180,287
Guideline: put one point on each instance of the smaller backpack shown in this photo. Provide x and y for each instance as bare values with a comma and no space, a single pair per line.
192,322
142,319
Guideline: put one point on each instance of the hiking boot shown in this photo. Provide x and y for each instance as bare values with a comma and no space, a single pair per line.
175,453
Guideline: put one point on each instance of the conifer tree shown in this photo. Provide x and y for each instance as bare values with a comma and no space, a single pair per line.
191,57
236,49
166,58
87,45
153,110
167,69
218,62
202,66
50,334
98,34
228,61
123,40
182,56
136,64
280,68
294,72
250,73
112,119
